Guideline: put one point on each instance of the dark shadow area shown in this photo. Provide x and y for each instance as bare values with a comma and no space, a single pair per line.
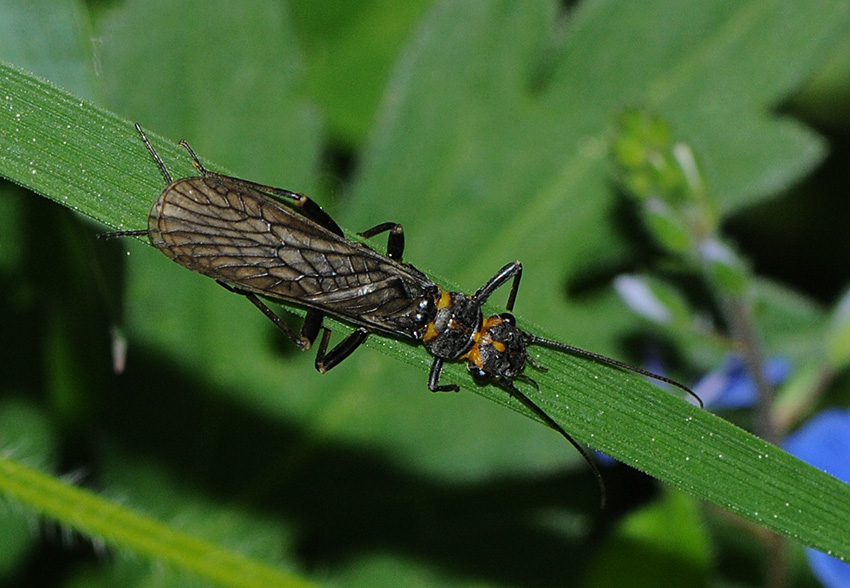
346,501
800,239
52,560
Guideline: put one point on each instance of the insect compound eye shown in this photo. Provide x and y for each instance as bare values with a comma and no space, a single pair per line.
477,372
425,310
508,318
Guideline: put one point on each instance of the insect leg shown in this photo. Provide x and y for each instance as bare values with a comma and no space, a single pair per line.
310,209
309,332
307,206
311,325
395,240
512,270
133,233
327,360
434,378
302,342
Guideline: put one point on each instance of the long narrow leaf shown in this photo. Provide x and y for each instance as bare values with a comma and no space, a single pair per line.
119,526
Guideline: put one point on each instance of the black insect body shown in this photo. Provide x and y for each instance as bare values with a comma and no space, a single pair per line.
258,240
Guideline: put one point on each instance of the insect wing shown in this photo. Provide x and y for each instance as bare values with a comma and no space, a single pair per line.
254,243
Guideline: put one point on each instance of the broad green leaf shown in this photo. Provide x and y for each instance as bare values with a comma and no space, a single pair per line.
244,107
503,128
654,552
512,155
350,47
52,39
219,337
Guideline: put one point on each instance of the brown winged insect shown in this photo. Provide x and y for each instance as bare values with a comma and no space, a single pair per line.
258,240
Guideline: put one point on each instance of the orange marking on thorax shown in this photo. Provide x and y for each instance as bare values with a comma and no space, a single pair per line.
444,301
483,336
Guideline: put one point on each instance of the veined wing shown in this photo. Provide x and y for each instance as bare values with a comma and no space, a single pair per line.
252,242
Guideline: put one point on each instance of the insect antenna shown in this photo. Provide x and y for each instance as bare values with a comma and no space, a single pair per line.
195,161
155,155
533,407
534,339
165,174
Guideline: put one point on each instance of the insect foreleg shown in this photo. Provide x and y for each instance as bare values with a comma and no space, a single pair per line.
511,270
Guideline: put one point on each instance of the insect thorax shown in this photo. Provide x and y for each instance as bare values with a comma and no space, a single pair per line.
451,334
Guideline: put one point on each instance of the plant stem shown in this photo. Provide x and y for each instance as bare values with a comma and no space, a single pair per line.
738,316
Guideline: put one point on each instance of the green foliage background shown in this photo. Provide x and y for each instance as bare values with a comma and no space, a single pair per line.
483,127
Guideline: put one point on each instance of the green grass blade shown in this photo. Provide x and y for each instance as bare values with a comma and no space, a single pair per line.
697,452
119,526
71,151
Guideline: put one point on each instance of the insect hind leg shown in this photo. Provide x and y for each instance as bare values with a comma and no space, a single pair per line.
327,360
132,233
309,330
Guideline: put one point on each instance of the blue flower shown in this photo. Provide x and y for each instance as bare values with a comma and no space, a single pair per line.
824,442
732,386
